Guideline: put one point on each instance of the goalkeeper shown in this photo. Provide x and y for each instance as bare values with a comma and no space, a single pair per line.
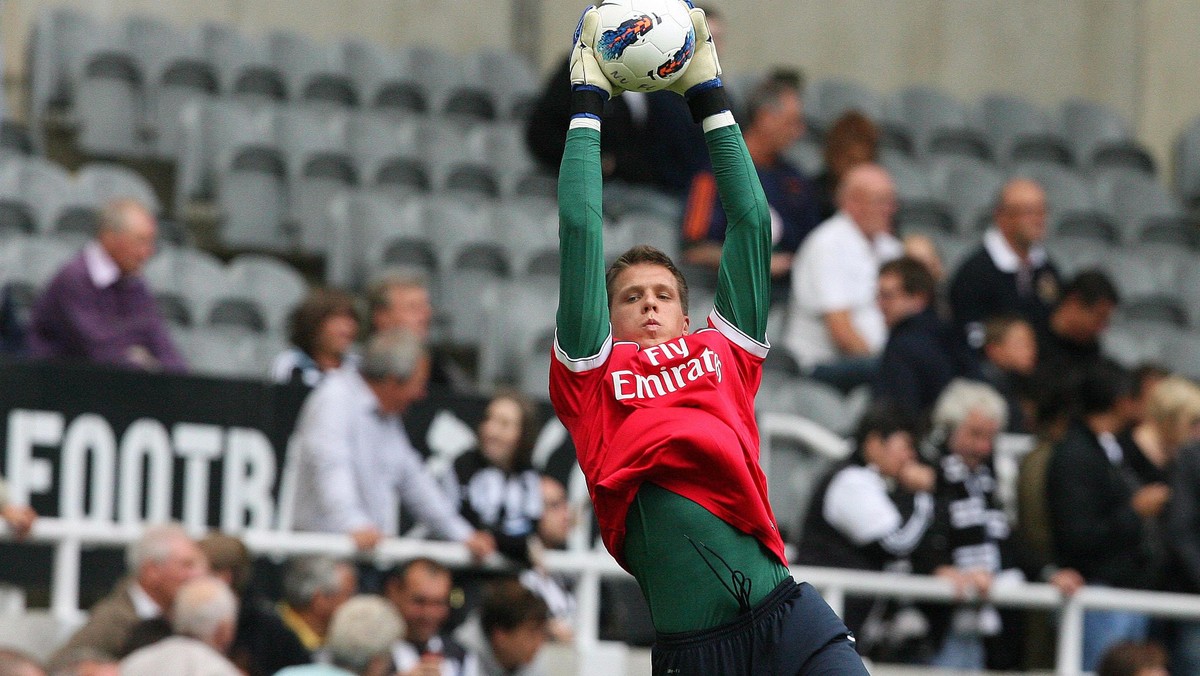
663,420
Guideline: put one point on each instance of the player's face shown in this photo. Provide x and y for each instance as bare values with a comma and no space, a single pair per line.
646,307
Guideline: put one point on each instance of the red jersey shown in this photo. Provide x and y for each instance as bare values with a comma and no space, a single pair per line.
679,415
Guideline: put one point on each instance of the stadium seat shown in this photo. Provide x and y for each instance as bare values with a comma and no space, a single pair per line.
360,221
455,223
471,181
968,186
1086,224
108,182
807,154
276,286
654,230
41,259
181,82
404,176
251,192
16,218
58,39
370,64
1135,199
1147,270
1181,354
1156,308
48,188
896,137
374,138
109,103
189,273
1136,343
222,351
909,175
244,64
954,249
960,142
435,69
506,76
469,103
155,42
315,73
213,135
1126,154
1088,124
924,217
524,226
828,99
1186,179
1075,254
1040,148
174,308
15,138
1007,117
1067,191
238,313
924,109
533,366
1182,232
470,286
509,332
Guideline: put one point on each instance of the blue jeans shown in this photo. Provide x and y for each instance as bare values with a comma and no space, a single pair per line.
960,651
1103,628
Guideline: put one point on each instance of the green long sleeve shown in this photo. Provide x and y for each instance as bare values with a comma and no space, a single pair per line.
582,320
744,277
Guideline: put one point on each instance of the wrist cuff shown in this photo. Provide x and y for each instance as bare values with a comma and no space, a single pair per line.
587,101
707,101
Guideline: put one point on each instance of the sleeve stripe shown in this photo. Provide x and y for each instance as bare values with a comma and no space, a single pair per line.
585,122
721,119
737,336
698,214
583,364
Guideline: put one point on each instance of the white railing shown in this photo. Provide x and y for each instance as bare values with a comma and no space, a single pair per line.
70,537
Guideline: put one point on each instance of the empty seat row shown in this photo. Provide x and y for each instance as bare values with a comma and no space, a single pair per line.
40,196
923,119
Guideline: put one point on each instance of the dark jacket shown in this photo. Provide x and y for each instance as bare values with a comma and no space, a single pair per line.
1183,522
920,358
506,504
264,644
980,291
1095,528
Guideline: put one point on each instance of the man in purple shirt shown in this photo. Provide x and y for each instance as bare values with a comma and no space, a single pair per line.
98,308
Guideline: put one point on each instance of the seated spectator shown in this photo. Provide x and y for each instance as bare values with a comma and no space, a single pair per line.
852,140
1010,273
871,511
322,330
1097,514
356,464
204,618
16,663
835,329
1182,527
1009,361
922,354
19,518
1169,422
400,300
774,121
360,634
556,589
263,643
98,308
1070,342
1129,658
495,486
509,631
314,587
420,591
160,561
81,662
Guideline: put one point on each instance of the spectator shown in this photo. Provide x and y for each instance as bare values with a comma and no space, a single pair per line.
98,308
835,328
495,486
775,121
923,249
314,587
1070,343
1129,658
1183,538
19,518
204,618
1145,377
356,464
555,526
15,663
1096,511
322,330
921,355
359,637
871,511
852,140
400,300
82,662
420,591
1011,273
1172,412
162,560
1009,360
509,631
263,643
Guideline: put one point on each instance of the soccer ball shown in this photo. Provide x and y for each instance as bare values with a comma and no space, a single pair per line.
643,45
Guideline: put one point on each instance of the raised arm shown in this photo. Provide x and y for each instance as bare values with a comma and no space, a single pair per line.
582,320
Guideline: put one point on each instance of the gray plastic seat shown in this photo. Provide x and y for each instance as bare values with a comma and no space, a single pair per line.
1182,354
237,312
360,222
243,63
436,70
277,286
374,138
910,177
1088,124
510,332
1136,343
109,103
506,76
924,109
525,225
223,352
251,192
1067,191
828,99
471,285
315,72
49,189
1186,180
369,64
1007,117
1134,199
107,182
41,258
1075,254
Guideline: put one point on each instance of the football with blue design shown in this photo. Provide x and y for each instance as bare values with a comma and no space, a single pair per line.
644,45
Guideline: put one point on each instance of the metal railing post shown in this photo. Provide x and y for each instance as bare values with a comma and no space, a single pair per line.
64,589
1069,661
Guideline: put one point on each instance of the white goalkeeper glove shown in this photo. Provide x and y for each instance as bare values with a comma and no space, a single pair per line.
586,72
704,71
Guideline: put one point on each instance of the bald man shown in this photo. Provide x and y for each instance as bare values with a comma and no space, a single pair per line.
1011,273
835,328
98,308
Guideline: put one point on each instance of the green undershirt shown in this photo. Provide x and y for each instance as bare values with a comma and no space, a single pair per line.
683,592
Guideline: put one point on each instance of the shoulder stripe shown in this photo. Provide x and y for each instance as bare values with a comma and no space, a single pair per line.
737,336
583,364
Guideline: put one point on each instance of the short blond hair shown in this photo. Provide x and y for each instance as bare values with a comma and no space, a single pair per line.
1173,405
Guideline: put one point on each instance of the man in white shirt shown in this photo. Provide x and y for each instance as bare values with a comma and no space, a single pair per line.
356,464
162,561
835,329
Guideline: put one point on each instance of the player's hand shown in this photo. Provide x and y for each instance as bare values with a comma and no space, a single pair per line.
481,544
704,68
585,67
366,538
1067,580
20,519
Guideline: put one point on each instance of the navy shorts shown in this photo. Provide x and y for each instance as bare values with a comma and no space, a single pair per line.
792,631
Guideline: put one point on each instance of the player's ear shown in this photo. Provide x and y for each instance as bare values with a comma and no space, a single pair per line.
686,324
